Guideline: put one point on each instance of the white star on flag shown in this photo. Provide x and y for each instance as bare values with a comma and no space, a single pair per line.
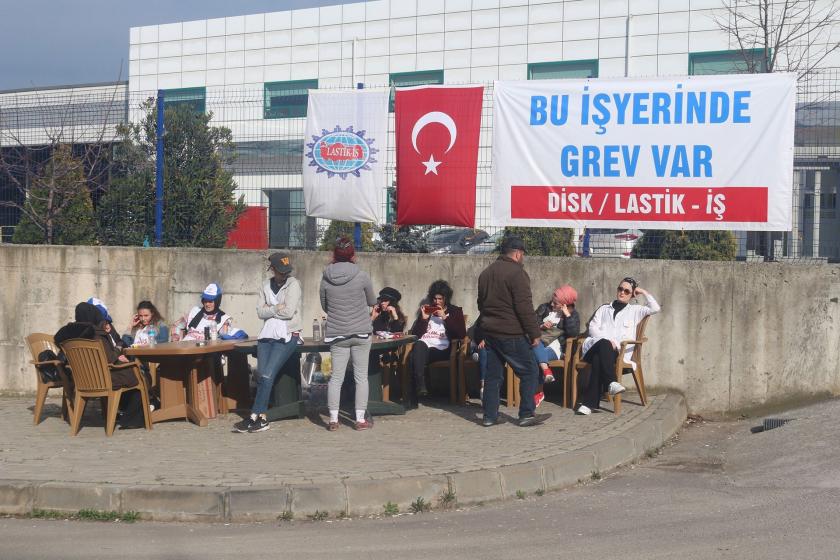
431,165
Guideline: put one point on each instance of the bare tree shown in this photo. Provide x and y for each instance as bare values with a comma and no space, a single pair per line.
54,149
782,35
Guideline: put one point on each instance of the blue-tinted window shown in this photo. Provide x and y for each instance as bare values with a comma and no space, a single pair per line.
563,70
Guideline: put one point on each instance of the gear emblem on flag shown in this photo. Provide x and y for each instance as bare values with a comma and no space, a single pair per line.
341,152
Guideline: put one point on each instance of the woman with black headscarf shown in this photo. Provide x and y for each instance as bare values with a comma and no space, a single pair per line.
610,324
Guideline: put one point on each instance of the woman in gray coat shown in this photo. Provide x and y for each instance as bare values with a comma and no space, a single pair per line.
347,296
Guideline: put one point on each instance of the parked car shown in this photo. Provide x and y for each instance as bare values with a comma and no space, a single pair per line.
453,240
488,245
608,242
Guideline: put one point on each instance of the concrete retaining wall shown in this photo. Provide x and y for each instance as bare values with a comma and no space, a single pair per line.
732,336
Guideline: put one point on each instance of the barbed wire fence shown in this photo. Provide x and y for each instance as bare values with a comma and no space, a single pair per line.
263,157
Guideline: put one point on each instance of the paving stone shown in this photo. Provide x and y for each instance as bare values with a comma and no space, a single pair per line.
257,503
525,478
325,497
71,497
369,497
476,486
16,497
167,503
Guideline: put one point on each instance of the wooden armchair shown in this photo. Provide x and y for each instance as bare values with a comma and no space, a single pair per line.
37,343
564,364
92,378
451,365
622,367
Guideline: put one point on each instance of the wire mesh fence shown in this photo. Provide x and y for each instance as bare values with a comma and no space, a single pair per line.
232,177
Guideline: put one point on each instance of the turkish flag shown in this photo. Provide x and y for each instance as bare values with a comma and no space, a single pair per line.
437,129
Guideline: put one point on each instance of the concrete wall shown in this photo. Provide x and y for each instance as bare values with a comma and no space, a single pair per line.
731,336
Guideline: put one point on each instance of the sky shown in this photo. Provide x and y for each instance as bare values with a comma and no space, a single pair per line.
64,42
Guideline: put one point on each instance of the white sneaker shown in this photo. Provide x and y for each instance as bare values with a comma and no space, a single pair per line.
584,410
616,388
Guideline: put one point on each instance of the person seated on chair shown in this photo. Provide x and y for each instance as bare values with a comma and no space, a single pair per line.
558,320
90,325
114,337
610,324
386,315
438,322
280,306
478,351
146,318
208,314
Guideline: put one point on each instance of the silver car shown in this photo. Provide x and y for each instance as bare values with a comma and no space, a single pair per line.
488,245
608,242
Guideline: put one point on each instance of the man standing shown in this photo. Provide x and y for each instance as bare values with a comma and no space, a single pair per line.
510,330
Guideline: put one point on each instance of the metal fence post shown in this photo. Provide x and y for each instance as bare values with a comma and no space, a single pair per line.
357,227
159,172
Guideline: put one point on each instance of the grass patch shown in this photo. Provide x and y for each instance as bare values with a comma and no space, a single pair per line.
540,492
447,499
286,516
596,475
419,505
390,509
87,515
318,515
520,494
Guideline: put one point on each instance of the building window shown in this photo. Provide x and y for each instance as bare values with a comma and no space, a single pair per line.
563,70
727,62
410,79
287,100
288,225
195,98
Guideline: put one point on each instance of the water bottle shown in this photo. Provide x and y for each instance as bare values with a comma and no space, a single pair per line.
214,331
152,332
316,330
323,326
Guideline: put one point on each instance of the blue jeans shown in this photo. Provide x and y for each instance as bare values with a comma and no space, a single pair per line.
543,353
515,351
482,359
272,354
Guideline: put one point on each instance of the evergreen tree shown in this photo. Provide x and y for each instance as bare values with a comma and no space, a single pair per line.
549,242
58,207
686,245
199,208
338,229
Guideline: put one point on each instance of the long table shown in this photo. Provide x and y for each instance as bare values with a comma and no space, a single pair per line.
286,396
182,366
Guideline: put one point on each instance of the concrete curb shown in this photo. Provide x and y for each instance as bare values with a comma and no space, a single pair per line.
349,497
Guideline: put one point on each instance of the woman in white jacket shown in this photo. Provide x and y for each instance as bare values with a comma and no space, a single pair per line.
611,323
280,308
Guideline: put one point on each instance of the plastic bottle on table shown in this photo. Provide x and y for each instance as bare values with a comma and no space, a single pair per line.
316,331
152,332
214,331
323,326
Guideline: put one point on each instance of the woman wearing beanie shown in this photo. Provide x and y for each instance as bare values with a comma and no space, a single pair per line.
558,320
346,297
208,314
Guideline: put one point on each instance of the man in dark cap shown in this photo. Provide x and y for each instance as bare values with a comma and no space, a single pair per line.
510,329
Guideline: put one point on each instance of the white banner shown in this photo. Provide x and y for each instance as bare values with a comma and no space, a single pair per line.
344,154
699,152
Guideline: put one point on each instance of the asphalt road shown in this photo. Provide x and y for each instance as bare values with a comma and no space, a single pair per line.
717,492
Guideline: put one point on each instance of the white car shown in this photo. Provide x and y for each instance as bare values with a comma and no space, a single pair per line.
608,242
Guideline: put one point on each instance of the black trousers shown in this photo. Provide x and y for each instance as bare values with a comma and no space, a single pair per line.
421,355
601,357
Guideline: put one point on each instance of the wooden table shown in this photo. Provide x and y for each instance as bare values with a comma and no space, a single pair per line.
286,398
183,365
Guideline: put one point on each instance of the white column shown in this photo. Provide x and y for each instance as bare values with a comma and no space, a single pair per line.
815,252
794,241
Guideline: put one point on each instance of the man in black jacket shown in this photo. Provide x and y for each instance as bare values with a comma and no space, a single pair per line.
510,329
